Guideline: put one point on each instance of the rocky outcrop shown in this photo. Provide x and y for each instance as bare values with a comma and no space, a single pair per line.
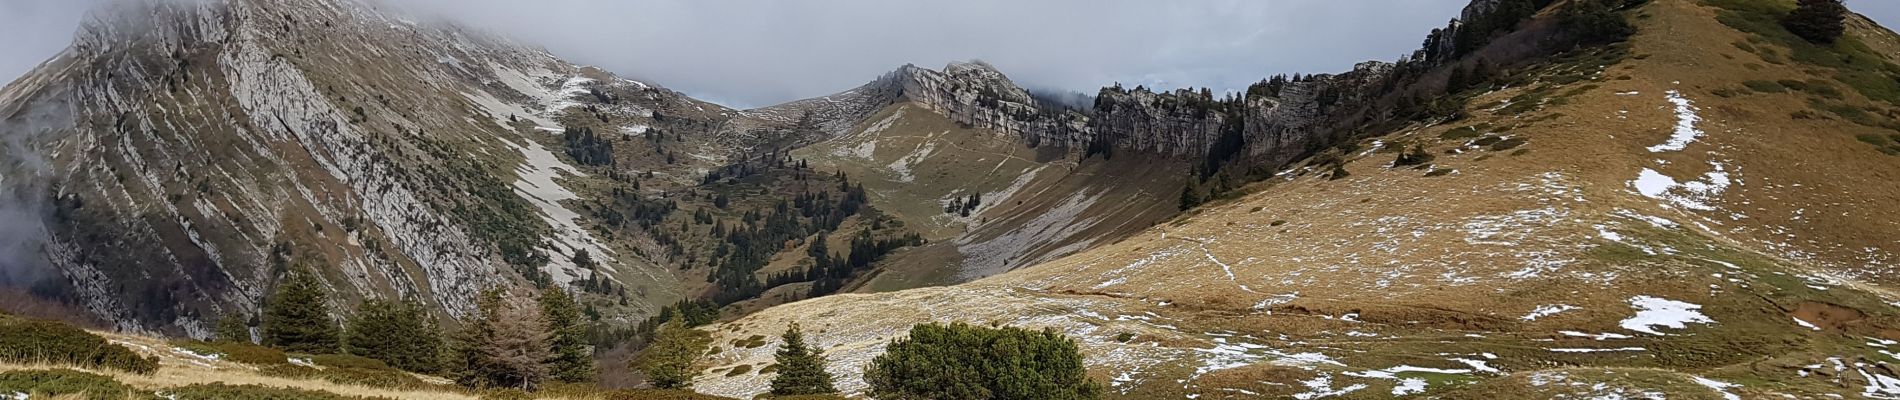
1280,129
1183,124
203,148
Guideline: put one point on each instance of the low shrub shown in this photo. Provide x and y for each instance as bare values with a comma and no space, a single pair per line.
220,391
32,341
1765,86
506,394
385,378
742,369
1461,133
252,354
66,382
1508,144
350,361
656,394
388,378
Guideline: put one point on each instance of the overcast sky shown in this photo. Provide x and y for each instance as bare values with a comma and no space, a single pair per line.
748,53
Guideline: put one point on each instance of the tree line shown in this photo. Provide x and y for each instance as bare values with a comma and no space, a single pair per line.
512,341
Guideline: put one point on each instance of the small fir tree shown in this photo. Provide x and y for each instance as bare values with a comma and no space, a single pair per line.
669,361
234,327
297,316
801,367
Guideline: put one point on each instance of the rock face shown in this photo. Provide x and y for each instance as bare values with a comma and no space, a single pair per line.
188,153
1182,124
1280,129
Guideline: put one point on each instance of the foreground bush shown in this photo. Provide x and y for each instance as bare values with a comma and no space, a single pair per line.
348,370
34,341
65,382
220,391
658,394
252,354
961,361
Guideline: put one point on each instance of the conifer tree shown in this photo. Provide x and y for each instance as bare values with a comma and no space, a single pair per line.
573,359
1818,21
1191,194
801,368
668,361
400,333
234,327
297,316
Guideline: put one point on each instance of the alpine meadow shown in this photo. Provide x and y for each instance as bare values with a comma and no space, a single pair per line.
392,199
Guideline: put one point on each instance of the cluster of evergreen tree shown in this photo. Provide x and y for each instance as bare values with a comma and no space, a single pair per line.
587,148
400,333
962,206
748,246
512,343
829,272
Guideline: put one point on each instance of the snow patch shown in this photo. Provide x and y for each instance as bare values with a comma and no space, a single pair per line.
1548,310
1719,387
1694,194
1686,120
1654,312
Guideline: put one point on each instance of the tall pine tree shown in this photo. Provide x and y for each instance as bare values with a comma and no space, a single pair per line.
297,316
801,368
573,358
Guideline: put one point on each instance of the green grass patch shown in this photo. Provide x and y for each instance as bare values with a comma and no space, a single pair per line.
1857,115
1856,65
742,369
350,361
66,382
34,341
1814,87
220,391
245,353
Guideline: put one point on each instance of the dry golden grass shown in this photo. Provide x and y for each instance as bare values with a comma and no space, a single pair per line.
171,376
1419,261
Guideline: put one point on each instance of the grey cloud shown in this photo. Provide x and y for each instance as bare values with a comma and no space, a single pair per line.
759,52
752,53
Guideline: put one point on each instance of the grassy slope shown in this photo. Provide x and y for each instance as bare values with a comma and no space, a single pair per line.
1039,203
1390,267
180,367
